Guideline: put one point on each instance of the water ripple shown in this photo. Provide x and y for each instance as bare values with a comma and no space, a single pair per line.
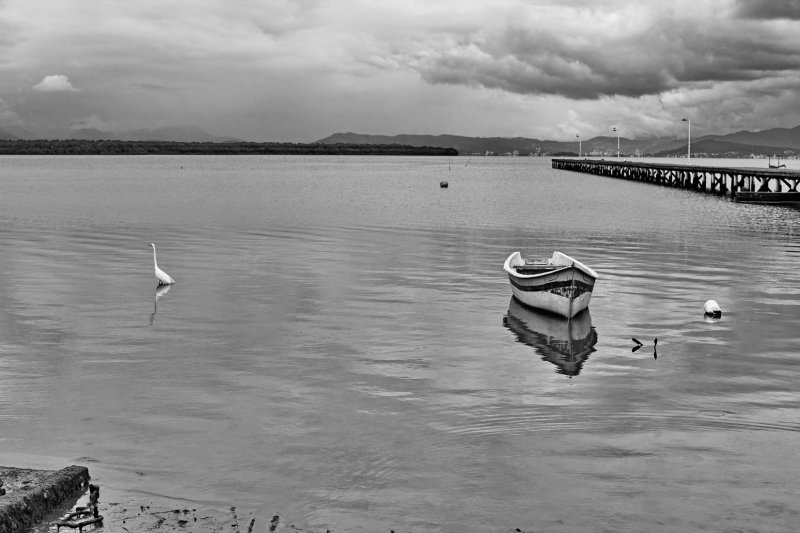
509,422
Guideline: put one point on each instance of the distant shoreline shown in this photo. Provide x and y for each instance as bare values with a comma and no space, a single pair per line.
112,147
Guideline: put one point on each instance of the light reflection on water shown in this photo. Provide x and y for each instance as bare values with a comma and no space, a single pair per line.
341,348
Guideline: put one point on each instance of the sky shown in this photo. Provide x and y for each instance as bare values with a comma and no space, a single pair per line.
300,70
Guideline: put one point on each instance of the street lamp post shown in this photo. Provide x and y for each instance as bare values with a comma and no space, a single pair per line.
615,129
579,144
689,145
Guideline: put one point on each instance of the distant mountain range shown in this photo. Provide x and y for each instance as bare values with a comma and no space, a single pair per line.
777,141
784,142
167,134
13,133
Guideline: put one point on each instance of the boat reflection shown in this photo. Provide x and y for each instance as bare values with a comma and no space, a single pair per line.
566,343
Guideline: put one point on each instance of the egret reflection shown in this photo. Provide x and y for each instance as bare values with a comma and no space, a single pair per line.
161,290
566,343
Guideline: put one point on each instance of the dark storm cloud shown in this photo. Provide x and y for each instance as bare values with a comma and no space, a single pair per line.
529,61
659,58
768,9
301,69
733,53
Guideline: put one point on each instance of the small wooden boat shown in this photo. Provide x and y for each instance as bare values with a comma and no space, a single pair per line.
559,284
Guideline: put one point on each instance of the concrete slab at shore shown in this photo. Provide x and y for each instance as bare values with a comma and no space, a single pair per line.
31,494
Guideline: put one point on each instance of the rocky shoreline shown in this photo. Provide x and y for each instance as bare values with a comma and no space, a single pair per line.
35,500
28,496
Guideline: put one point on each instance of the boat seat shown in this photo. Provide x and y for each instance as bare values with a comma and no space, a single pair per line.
535,269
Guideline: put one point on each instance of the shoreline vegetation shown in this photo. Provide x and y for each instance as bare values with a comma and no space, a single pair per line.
113,147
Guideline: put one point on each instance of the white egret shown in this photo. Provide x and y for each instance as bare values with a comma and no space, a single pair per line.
163,277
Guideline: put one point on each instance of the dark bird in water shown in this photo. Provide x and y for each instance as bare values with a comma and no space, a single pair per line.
639,345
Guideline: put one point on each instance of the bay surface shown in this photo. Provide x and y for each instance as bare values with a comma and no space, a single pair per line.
341,347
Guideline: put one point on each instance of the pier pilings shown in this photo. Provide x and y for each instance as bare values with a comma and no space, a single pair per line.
743,184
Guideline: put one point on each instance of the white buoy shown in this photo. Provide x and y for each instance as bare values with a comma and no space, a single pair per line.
711,308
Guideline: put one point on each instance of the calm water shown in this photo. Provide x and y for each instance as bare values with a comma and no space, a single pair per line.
341,347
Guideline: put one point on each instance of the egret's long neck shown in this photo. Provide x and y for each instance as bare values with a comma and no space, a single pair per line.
155,263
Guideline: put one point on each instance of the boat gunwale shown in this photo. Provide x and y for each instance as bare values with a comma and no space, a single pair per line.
575,264
544,272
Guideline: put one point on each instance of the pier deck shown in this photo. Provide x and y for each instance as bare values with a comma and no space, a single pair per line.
743,184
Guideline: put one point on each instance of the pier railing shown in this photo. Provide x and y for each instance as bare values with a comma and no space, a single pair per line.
741,183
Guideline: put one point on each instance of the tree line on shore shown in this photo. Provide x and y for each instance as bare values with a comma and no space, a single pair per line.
115,147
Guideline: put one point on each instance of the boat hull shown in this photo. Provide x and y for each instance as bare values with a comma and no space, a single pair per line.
564,289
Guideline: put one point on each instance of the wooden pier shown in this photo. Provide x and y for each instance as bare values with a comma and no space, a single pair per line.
743,184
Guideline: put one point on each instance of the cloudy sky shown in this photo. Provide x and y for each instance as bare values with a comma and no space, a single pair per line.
299,70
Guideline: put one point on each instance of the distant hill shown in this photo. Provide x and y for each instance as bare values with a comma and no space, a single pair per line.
11,132
741,144
117,147
713,147
464,145
505,145
775,141
167,134
782,138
